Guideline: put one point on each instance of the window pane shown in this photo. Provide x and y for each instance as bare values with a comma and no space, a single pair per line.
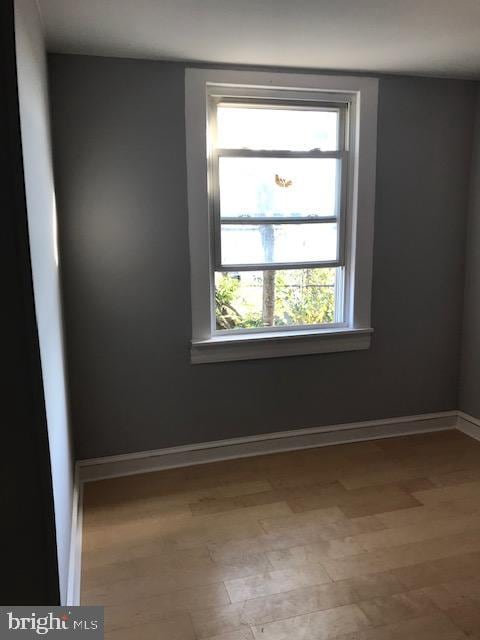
279,186
244,244
290,129
275,298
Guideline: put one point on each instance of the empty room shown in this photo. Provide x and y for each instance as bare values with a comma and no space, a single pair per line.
241,319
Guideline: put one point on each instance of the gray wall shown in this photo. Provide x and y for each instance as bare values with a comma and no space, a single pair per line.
40,194
470,373
119,150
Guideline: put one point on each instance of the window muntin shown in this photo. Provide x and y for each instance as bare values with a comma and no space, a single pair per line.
277,193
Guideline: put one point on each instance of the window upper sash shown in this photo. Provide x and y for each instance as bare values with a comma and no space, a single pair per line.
216,153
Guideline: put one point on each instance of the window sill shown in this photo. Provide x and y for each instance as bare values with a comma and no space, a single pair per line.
278,345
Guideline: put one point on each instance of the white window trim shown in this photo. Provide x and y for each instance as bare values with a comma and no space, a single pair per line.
356,331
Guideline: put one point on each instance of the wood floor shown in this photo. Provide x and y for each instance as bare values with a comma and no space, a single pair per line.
369,541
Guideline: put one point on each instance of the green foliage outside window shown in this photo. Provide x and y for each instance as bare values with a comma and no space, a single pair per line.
300,297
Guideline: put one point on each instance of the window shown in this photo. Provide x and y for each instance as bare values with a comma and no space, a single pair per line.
281,177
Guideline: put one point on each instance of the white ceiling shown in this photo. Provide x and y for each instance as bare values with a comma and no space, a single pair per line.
426,37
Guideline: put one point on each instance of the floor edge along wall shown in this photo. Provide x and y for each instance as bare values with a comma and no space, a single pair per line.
147,461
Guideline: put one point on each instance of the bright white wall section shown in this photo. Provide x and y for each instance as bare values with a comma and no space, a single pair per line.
354,332
40,194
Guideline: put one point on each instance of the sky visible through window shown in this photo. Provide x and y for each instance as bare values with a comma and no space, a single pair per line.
289,129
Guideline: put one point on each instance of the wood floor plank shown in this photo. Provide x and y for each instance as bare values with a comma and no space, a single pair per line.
372,477
183,532
421,574
241,634
179,628
311,553
320,518
402,556
402,606
467,618
321,625
453,594
132,612
449,493
293,603
238,550
153,576
436,627
430,513
276,581
222,505
98,559
178,501
460,567
388,538
358,502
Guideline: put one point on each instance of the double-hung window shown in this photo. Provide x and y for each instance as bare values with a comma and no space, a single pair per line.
281,203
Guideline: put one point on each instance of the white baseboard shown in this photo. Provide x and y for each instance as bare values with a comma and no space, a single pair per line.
146,461
468,425
75,559
156,460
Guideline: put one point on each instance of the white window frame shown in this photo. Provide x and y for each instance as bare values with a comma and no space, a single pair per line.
354,332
